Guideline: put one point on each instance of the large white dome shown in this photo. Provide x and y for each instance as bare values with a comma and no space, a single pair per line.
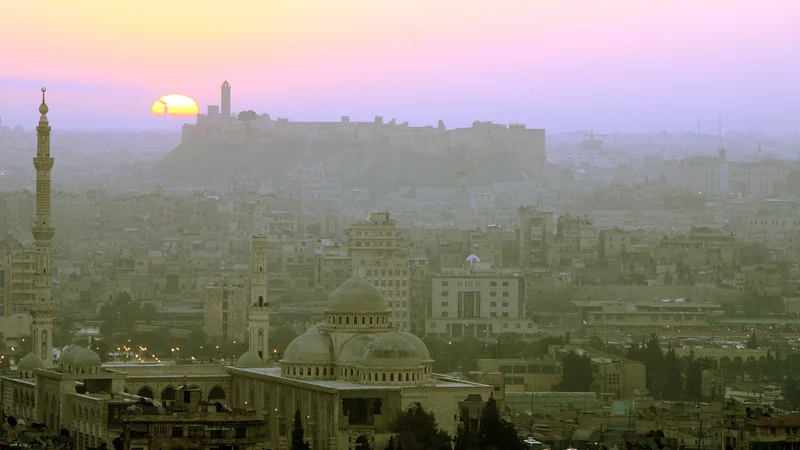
422,349
310,347
353,350
391,350
357,295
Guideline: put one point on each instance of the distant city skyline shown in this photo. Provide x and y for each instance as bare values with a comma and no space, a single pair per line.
616,65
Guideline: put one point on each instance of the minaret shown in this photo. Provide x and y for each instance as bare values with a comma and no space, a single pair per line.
226,98
42,310
258,317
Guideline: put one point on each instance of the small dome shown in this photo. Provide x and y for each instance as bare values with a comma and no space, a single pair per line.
29,362
357,295
68,354
310,347
391,350
249,360
422,349
353,350
86,358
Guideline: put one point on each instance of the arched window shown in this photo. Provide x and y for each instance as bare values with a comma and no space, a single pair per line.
260,300
301,371
347,320
145,392
351,372
383,376
391,376
363,320
369,376
216,393
370,320
324,371
317,371
168,393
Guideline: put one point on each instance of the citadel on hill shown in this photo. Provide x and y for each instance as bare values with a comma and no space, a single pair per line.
524,146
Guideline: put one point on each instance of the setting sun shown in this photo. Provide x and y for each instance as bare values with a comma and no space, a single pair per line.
175,105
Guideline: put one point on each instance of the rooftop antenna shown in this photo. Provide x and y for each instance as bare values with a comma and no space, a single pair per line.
719,133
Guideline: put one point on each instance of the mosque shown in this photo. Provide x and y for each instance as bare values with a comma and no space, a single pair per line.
348,377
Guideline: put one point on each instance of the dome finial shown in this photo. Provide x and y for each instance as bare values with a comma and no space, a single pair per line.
43,107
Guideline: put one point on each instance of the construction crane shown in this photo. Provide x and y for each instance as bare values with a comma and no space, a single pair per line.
591,135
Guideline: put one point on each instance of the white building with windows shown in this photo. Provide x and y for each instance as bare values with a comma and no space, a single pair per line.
477,301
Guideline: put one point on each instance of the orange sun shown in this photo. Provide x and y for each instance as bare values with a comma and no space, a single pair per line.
175,105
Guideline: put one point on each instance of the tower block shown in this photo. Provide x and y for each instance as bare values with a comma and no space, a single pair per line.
258,315
43,310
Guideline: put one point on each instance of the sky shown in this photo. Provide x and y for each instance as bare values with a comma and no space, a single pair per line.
604,65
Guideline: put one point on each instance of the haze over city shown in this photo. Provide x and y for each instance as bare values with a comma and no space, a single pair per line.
375,225
621,65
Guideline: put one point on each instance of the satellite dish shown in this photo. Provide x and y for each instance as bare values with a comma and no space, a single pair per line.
637,392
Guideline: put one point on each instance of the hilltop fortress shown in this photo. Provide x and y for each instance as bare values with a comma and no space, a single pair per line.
483,139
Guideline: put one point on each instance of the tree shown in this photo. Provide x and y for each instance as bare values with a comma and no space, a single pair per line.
577,373
791,391
390,445
494,433
466,436
247,116
64,327
298,443
281,337
752,343
416,429
673,377
147,312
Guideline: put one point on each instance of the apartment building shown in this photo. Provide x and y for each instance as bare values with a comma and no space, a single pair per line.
225,308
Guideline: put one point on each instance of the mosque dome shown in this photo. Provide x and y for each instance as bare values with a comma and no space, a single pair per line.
68,354
310,347
357,295
353,350
85,358
422,349
391,350
29,362
249,360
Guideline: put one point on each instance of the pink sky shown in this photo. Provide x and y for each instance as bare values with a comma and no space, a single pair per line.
560,64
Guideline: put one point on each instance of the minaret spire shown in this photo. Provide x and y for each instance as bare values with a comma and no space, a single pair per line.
258,312
42,310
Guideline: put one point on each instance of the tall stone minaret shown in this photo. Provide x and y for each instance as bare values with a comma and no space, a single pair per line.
258,317
42,310
225,101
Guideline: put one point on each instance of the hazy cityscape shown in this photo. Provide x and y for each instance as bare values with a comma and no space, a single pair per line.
237,280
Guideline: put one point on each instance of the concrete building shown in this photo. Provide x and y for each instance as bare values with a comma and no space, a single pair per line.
477,301
225,309
374,237
535,236
392,277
